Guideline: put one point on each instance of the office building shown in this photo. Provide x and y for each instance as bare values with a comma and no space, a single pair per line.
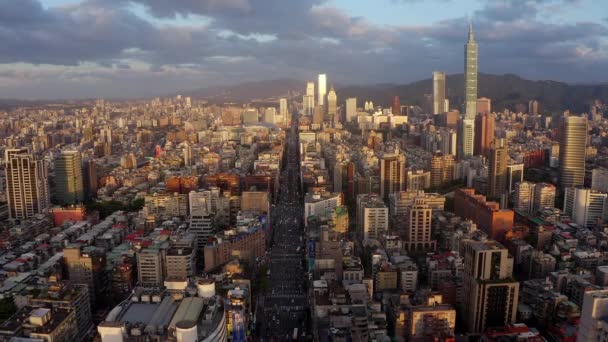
322,89
27,186
351,109
321,204
396,110
151,265
585,206
599,179
488,216
418,227
544,197
308,101
593,325
392,174
484,105
332,107
523,197
466,136
439,92
442,169
573,142
400,202
68,178
372,216
470,76
284,110
180,263
490,291
86,265
498,157
532,107
485,125
515,174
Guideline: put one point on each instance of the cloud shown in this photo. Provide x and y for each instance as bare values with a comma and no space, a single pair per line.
96,43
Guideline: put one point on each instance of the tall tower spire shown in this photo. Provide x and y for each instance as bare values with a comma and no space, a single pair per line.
471,33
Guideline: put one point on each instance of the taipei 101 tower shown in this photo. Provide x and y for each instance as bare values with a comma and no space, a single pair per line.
467,124
470,76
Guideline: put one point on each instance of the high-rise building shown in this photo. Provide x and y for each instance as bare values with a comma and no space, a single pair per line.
151,266
484,105
351,109
372,216
485,124
396,106
418,227
85,265
188,157
599,179
593,325
27,186
585,206
332,107
308,101
523,197
439,92
466,136
284,110
442,169
533,107
544,197
322,89
497,164
573,142
68,178
490,291
515,174
392,174
470,75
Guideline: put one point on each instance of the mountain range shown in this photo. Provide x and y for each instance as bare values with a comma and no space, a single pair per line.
506,91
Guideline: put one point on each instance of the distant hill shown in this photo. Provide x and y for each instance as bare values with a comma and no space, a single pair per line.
506,91
250,91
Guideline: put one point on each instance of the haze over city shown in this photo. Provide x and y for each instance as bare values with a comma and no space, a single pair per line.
117,48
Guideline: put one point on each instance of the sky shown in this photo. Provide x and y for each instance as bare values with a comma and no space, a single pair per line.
68,49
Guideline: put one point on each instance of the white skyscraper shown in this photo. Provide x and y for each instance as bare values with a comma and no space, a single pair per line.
593,326
585,206
351,109
322,88
283,110
439,100
467,137
27,187
308,100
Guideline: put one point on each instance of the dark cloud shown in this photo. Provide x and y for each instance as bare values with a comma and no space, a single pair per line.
86,48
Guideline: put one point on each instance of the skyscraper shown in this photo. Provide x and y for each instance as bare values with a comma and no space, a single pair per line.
466,135
332,107
418,226
27,186
573,141
392,174
396,106
586,207
544,196
485,124
470,75
283,110
593,316
438,92
497,164
490,292
484,105
308,100
322,89
351,109
442,169
68,178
